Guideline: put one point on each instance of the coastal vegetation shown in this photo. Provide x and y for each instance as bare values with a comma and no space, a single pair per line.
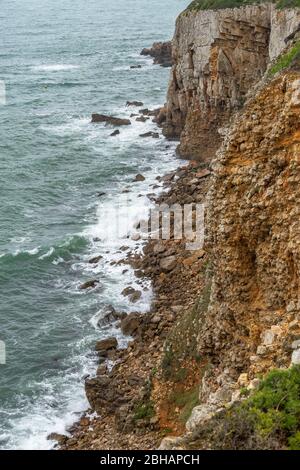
222,4
285,60
268,419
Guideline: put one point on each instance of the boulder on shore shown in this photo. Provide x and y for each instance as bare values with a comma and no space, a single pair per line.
154,135
106,345
168,264
60,438
161,53
114,121
130,324
134,103
139,177
89,284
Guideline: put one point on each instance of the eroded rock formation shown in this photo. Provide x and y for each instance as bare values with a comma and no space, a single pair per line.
161,53
218,56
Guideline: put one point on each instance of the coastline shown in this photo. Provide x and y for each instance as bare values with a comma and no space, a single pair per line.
127,417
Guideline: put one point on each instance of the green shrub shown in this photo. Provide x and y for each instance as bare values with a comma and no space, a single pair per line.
268,419
222,4
144,411
286,60
186,400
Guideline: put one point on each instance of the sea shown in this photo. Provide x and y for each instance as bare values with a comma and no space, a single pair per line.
67,194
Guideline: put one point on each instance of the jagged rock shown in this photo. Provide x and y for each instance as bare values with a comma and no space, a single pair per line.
95,260
134,103
209,80
60,438
90,284
296,357
171,443
136,237
110,315
116,132
130,324
168,264
114,121
161,53
154,135
101,392
142,119
139,177
105,345
243,380
296,344
268,337
149,112
161,117
136,66
200,415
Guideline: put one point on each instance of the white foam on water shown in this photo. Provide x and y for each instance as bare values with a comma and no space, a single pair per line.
61,398
54,67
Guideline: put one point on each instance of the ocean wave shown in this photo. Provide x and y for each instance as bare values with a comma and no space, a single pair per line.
54,67
62,251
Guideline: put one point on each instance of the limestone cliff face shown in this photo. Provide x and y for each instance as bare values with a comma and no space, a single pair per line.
218,56
283,23
253,239
254,229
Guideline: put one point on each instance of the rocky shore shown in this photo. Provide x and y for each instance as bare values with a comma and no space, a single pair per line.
123,397
215,364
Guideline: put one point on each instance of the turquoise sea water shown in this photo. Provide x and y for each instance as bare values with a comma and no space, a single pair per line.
60,62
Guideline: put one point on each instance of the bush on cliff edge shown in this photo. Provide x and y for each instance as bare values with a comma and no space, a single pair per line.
222,4
268,419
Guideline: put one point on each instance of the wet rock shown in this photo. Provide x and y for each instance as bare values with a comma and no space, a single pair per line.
84,422
128,291
142,119
60,438
161,52
130,324
154,135
136,66
168,264
114,121
101,393
135,297
116,132
149,112
90,284
134,103
110,315
135,237
105,345
161,117
133,294
139,177
95,260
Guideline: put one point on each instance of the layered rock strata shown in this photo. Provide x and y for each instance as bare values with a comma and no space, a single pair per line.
218,56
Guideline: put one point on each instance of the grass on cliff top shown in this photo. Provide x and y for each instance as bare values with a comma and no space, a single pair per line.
286,59
198,5
268,419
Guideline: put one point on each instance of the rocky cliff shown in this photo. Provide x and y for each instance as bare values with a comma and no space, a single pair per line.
218,56
252,321
228,315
